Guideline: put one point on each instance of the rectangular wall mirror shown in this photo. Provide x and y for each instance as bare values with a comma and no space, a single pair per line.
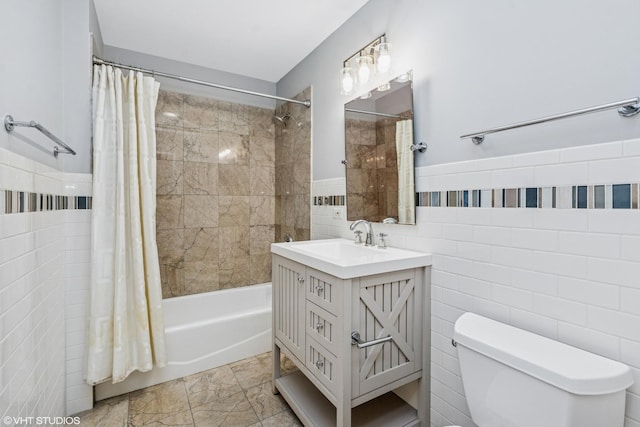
378,142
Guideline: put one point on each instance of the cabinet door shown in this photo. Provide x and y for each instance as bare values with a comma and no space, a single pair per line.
386,304
289,304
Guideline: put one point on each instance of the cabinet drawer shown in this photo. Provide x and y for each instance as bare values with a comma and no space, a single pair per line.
323,327
322,364
324,290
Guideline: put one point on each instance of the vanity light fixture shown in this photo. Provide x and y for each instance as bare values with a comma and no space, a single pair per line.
384,87
347,81
366,95
383,56
359,69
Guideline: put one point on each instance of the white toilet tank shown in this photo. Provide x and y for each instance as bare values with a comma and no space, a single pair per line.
514,378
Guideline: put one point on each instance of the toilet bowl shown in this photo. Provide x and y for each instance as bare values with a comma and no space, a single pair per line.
515,378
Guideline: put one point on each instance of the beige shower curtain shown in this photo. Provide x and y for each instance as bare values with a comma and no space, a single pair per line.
126,331
406,183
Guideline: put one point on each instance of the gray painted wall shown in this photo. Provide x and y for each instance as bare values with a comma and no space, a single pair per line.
479,65
45,76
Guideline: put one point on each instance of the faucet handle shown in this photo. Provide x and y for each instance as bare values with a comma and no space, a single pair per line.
358,234
381,243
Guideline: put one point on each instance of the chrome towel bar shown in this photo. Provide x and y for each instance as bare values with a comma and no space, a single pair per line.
355,340
628,107
10,124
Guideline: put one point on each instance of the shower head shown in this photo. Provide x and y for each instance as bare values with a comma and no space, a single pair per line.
284,120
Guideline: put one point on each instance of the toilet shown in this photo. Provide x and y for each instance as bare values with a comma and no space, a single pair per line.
514,378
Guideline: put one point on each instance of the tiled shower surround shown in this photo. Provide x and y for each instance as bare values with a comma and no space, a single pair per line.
216,190
293,171
570,272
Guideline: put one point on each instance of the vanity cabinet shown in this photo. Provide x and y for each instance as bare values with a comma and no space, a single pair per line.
338,383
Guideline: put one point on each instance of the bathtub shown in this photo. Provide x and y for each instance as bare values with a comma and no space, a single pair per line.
204,331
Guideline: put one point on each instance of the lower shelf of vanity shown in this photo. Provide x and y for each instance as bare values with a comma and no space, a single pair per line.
314,409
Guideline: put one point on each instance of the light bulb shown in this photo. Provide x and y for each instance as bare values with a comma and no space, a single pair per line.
383,58
347,80
364,64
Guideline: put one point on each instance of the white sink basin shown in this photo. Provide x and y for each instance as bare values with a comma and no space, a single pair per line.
344,259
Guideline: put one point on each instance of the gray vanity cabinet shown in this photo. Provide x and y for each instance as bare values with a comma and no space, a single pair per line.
314,316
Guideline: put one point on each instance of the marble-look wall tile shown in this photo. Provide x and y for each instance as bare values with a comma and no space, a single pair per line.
262,210
169,212
170,246
170,109
234,241
293,172
200,178
201,146
261,123
169,143
201,113
260,269
169,177
234,149
234,271
233,211
233,180
261,237
199,276
263,181
233,118
262,151
217,181
200,211
201,244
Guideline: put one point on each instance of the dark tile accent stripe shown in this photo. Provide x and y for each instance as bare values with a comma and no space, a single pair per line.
12,202
329,200
611,196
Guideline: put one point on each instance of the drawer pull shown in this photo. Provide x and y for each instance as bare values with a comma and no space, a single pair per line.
319,288
300,279
319,327
355,340
319,363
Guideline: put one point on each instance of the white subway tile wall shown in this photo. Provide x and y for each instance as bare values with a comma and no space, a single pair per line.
569,274
38,342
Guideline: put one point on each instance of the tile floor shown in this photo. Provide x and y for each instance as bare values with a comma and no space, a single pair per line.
234,395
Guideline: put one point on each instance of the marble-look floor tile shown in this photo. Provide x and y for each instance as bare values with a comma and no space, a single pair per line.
220,382
211,410
283,419
253,371
163,404
264,402
107,413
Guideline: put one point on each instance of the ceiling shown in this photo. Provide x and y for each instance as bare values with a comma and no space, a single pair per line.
263,39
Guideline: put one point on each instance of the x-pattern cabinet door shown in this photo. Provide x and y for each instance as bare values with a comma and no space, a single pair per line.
386,305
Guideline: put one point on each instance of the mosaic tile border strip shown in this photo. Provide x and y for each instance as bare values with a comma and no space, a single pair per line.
611,196
329,200
12,202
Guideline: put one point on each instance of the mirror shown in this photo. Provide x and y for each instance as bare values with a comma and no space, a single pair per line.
378,141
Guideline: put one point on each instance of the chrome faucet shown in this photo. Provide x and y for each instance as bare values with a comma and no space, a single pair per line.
368,228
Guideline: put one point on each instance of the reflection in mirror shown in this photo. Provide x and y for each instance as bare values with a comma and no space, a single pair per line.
378,140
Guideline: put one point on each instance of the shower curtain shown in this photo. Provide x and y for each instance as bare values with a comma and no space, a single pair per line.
126,331
406,183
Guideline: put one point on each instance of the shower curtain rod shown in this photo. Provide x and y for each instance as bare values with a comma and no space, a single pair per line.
98,61
374,113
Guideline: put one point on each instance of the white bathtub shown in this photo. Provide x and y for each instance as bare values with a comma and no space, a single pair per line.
204,331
